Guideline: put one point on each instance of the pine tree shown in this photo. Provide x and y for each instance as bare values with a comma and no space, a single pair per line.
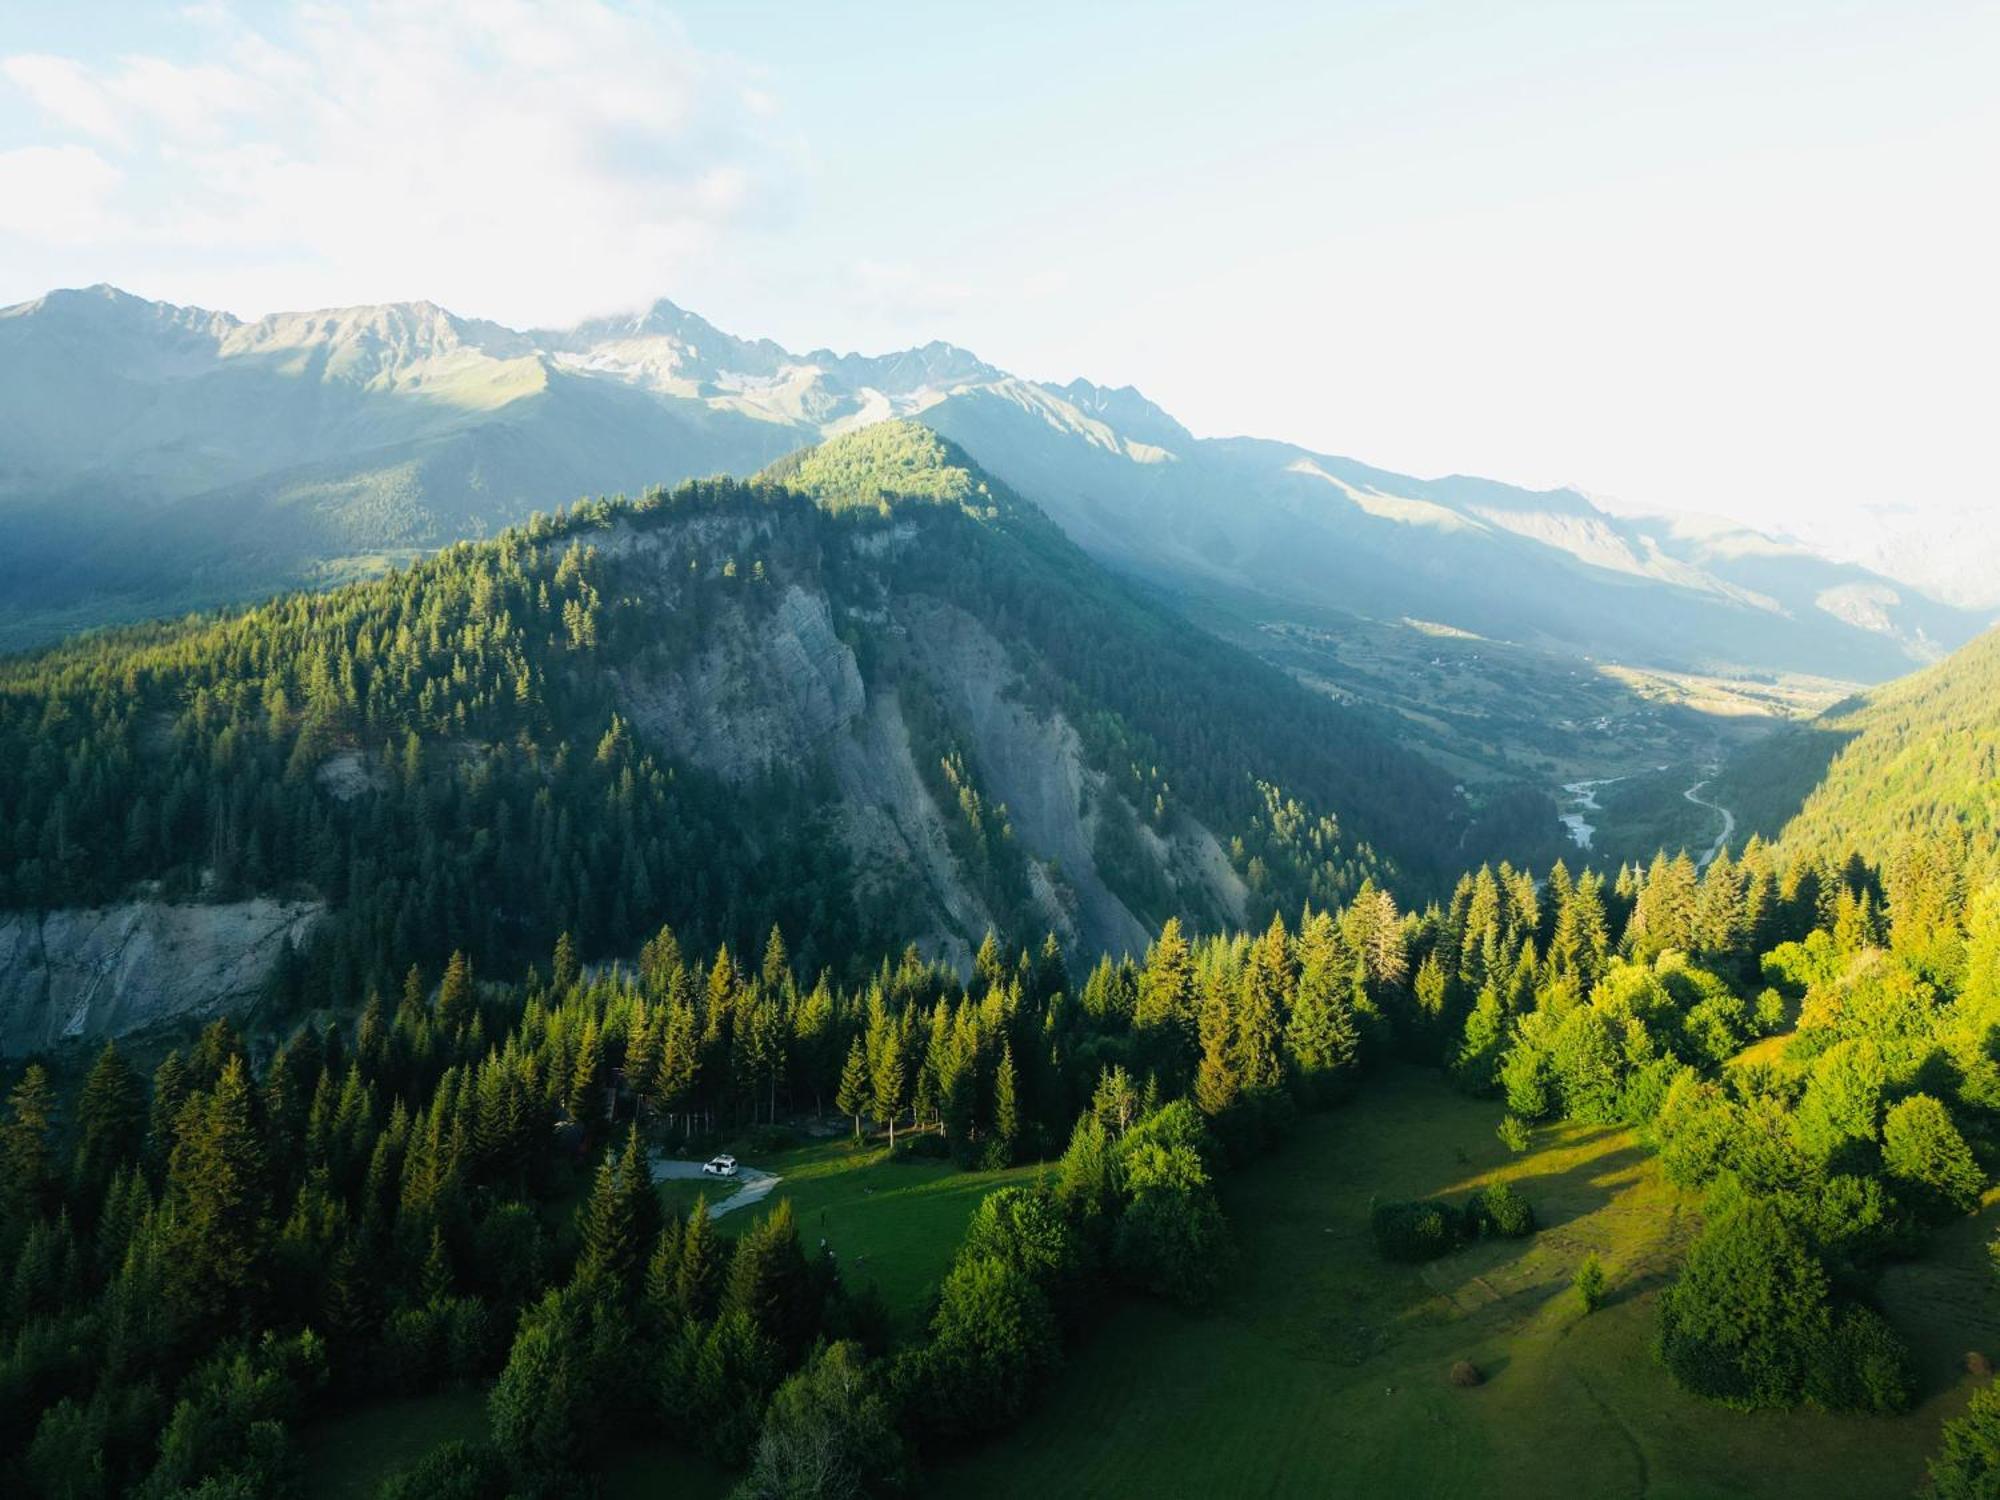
887,1080
1216,1083
436,1284
111,1121
698,1279
27,1149
454,1002
170,1092
1321,1039
768,1281
1006,1111
216,1183
857,1094
1266,982
620,1219
564,969
1168,1003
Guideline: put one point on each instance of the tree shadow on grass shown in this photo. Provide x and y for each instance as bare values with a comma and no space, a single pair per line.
1570,1193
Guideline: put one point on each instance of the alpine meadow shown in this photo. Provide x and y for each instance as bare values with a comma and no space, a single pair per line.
594,906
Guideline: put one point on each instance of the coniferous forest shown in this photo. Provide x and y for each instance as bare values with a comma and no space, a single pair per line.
595,907
425,1159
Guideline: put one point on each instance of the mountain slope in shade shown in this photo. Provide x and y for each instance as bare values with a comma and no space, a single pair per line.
154,457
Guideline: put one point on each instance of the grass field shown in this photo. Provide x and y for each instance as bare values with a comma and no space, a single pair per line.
893,1225
1322,1371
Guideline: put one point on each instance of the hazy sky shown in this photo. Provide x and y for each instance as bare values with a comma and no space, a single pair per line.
1737,257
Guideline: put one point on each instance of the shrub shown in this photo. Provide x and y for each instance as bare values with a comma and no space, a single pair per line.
769,1140
1417,1231
1923,1151
1513,1134
451,1471
993,1338
929,1146
829,1431
1172,1239
1500,1212
1747,1312
1864,1366
1590,1282
1769,1012
1967,1466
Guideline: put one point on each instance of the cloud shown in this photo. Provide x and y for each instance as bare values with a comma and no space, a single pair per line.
58,194
523,159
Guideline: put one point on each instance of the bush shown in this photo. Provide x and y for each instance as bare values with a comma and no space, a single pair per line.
768,1140
1418,1231
1769,1012
926,1147
1590,1282
993,1339
1967,1466
1924,1152
1864,1366
1747,1313
1500,1212
1513,1134
830,1431
450,1471
1172,1239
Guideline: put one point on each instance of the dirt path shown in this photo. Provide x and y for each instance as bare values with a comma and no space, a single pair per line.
1693,794
753,1186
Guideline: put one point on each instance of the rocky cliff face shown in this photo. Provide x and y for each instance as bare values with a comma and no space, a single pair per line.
775,686
71,975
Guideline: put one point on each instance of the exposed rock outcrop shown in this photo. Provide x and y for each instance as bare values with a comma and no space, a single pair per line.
763,694
83,974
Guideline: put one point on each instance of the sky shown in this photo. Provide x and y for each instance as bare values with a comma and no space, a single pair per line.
1718,257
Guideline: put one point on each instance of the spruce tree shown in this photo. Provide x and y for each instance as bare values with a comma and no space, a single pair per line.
703,1259
27,1150
111,1121
1006,1111
216,1184
857,1094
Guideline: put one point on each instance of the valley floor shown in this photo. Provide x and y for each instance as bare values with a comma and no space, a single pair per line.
1323,1370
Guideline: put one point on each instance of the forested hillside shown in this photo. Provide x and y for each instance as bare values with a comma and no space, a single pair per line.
397,1205
732,706
1917,762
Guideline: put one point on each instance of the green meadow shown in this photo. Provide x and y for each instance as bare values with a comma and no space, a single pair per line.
1322,1369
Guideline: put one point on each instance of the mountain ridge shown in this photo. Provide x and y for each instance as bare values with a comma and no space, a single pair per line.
140,442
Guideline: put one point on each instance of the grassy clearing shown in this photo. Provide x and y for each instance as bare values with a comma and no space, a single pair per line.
1323,1370
892,1224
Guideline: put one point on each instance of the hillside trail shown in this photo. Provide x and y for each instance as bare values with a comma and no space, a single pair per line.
1693,794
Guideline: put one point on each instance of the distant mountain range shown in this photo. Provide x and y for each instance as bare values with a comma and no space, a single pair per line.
155,458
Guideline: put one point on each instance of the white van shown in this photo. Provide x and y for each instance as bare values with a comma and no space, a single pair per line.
719,1166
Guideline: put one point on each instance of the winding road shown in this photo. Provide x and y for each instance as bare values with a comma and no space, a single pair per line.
1693,794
